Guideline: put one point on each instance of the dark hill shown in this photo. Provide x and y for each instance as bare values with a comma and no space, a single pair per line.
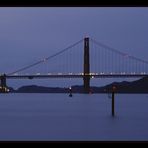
138,86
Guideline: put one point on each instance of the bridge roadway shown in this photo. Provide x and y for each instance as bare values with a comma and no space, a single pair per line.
41,76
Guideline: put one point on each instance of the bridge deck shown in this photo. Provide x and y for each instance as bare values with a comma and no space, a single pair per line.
75,76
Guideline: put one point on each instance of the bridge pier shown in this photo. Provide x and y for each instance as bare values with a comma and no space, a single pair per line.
113,100
86,78
3,86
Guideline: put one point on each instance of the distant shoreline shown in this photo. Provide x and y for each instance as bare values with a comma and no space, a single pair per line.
79,93
137,87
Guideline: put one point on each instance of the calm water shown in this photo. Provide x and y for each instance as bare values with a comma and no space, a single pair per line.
82,117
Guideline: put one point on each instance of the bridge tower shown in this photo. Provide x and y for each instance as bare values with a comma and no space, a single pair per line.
86,78
3,86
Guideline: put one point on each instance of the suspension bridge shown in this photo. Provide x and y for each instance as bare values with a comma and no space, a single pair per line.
85,59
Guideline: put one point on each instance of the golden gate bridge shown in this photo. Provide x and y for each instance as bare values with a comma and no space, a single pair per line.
85,59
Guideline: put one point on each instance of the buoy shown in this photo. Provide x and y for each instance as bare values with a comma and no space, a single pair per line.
70,95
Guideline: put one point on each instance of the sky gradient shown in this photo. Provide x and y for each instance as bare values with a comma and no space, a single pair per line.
30,34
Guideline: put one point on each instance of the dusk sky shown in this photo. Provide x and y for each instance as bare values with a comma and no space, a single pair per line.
30,34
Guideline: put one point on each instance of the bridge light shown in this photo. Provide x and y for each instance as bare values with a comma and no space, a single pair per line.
142,72
15,74
45,59
92,77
